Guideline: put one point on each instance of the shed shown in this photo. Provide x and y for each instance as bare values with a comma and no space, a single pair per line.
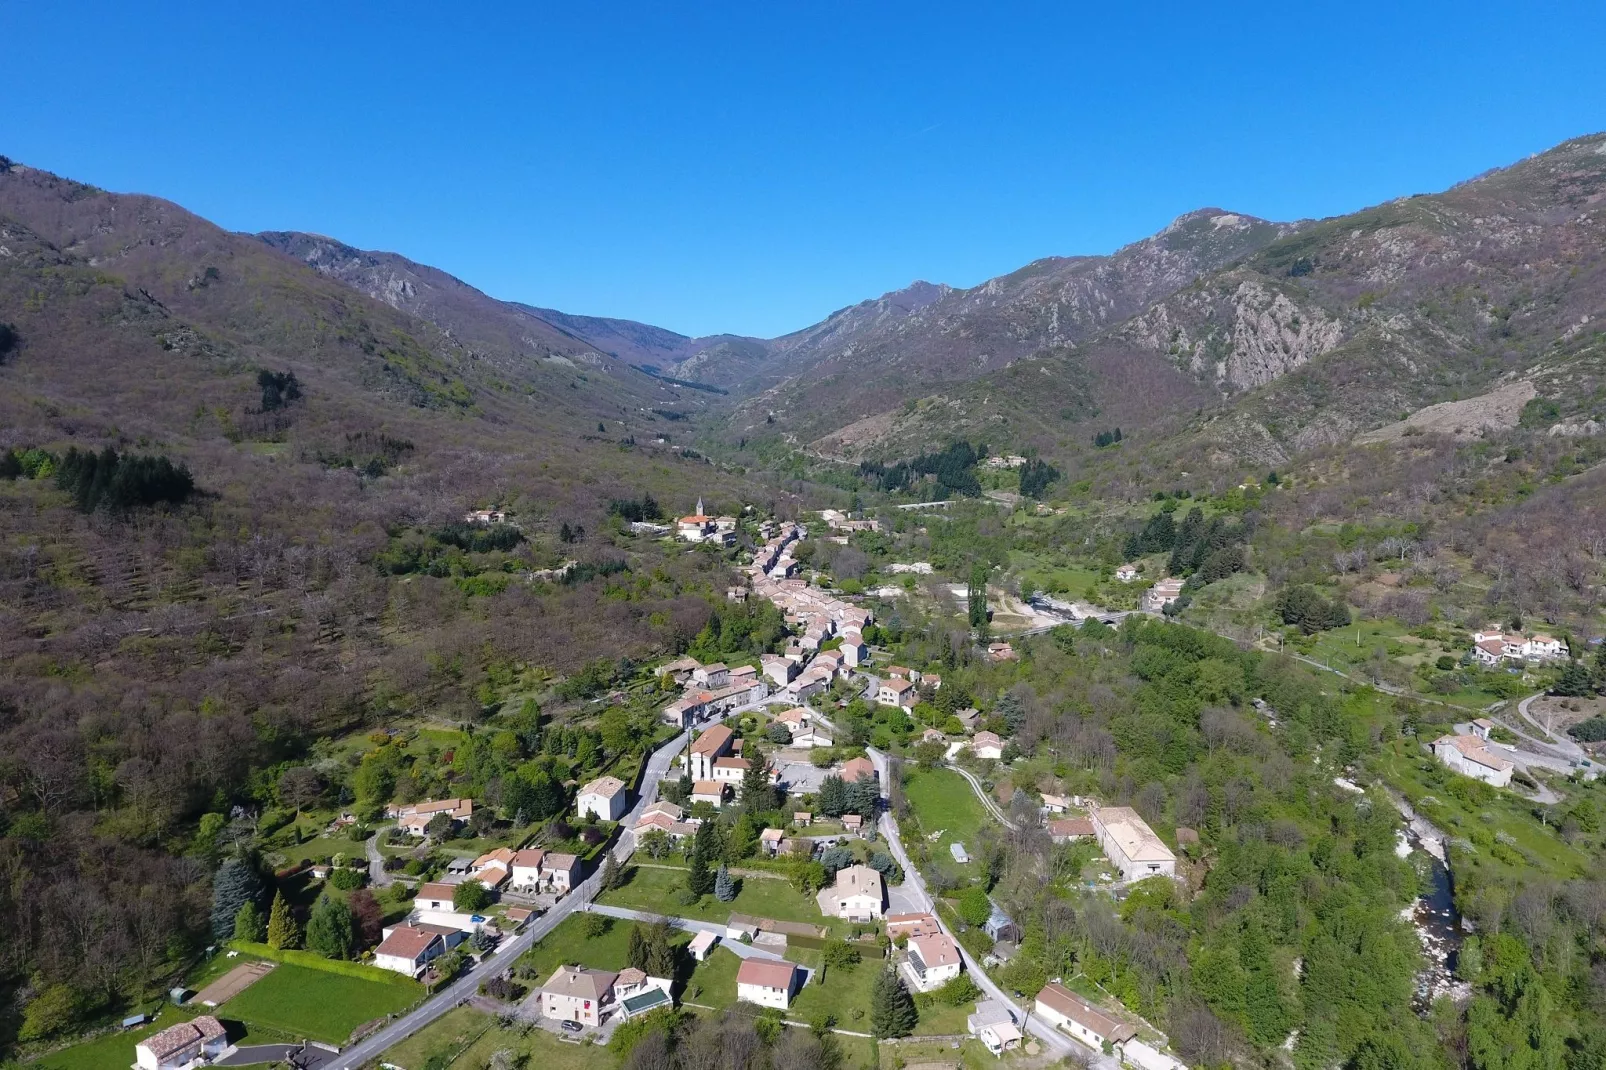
1000,926
958,851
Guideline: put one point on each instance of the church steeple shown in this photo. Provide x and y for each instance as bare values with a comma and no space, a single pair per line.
700,506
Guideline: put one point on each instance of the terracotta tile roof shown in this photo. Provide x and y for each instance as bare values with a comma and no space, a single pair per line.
766,973
175,1038
605,786
436,890
580,982
716,739
935,949
529,858
407,942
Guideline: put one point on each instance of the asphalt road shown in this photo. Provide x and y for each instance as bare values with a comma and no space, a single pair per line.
465,987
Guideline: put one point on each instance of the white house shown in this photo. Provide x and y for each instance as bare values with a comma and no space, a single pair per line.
854,650
730,770
707,748
604,797
711,792
812,737
857,895
987,745
434,896
766,982
933,960
182,1045
408,949
1072,1014
526,868
1130,844
1469,756
577,994
1126,573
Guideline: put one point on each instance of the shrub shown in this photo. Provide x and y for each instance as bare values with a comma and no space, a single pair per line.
347,880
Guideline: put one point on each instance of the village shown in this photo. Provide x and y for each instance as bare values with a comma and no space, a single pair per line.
771,722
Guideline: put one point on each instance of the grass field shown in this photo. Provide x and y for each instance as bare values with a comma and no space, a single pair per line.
115,1051
315,1004
1505,837
451,1033
656,890
568,944
943,801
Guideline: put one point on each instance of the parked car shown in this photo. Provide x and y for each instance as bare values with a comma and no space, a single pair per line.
572,1027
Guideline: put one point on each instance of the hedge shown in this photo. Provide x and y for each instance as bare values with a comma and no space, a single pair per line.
314,961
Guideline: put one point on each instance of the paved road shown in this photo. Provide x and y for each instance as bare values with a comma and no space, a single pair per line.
376,862
465,987
1561,746
915,888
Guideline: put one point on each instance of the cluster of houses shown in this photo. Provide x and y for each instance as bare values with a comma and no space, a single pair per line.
1494,648
837,520
435,926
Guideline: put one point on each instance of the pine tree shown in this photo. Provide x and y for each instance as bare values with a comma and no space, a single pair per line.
757,792
660,951
235,884
699,878
892,1009
282,929
248,923
724,887
610,873
636,955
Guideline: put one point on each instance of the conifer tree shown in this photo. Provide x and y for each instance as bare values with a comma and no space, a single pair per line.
610,873
636,955
248,923
282,929
892,1009
331,932
724,887
235,884
699,878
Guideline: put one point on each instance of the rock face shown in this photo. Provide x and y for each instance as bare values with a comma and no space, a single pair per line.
1298,336
876,355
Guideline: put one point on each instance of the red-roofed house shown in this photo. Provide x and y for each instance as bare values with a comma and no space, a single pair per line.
182,1045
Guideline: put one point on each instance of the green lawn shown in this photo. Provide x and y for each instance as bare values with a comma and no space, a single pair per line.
844,993
315,1004
452,1032
713,983
568,944
657,890
941,799
115,1051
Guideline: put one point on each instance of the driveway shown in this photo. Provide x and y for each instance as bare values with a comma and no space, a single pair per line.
691,925
305,1057
376,862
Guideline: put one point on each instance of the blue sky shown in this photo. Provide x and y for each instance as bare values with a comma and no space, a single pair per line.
751,167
